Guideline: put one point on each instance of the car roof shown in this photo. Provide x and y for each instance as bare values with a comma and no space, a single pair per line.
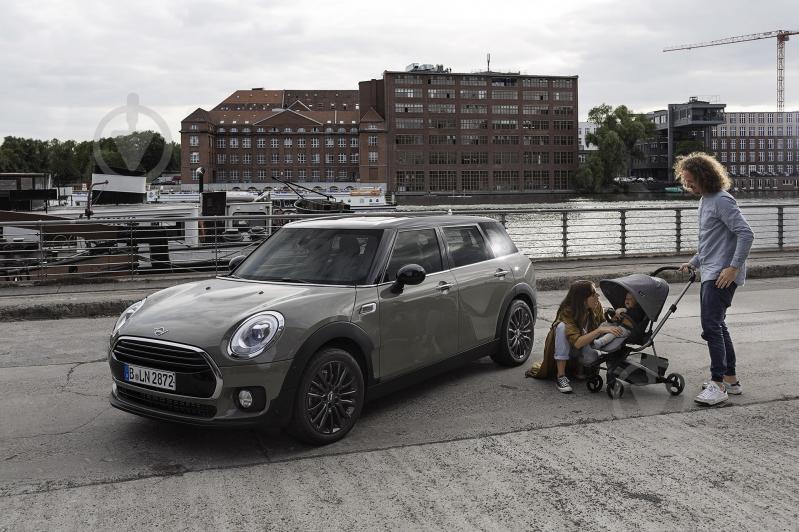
386,222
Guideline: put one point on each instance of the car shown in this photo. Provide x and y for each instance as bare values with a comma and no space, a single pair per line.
321,317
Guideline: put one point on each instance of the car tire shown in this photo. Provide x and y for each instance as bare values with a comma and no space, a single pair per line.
516,336
329,398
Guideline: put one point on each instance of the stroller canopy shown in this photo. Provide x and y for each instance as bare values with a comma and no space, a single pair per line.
649,292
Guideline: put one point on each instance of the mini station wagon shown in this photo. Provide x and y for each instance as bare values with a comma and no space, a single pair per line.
322,316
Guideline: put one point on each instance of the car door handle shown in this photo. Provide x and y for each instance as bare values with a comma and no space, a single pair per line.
367,308
501,273
444,286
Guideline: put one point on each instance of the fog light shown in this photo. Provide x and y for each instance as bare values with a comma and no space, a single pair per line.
245,398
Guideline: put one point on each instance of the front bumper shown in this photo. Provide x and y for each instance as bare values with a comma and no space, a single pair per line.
218,406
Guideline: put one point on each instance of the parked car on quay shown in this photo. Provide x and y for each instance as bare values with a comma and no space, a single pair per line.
324,315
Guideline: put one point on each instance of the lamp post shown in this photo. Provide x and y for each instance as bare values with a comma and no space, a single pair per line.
200,172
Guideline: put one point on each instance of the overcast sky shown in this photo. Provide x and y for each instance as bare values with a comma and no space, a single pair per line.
64,66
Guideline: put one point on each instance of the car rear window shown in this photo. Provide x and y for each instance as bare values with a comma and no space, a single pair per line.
501,244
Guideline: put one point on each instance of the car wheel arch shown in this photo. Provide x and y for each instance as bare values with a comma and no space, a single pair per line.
523,292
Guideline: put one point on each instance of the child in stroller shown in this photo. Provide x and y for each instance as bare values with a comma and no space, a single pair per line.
627,318
649,294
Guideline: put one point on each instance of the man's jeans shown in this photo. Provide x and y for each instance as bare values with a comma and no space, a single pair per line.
714,303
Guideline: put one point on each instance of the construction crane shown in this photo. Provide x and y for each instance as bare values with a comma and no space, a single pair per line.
782,37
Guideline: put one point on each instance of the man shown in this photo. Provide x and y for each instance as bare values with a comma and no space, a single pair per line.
724,242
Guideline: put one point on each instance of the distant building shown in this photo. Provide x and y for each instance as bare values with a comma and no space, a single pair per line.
682,126
425,130
759,149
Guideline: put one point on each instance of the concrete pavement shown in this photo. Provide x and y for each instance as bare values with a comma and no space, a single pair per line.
478,448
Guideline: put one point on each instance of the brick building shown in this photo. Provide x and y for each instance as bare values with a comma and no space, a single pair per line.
760,150
424,130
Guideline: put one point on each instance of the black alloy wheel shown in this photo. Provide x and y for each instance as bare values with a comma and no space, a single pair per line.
594,383
329,399
675,383
517,335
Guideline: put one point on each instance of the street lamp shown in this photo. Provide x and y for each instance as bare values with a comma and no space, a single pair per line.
200,172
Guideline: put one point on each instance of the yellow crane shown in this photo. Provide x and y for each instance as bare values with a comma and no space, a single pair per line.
782,37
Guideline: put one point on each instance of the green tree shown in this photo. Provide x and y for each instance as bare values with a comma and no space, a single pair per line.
589,175
684,147
617,138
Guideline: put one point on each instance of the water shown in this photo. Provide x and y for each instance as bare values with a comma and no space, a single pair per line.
652,230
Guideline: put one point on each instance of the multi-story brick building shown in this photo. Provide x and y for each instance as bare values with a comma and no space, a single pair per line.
759,149
424,130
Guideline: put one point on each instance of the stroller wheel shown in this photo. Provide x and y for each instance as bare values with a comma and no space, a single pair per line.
615,389
675,383
594,384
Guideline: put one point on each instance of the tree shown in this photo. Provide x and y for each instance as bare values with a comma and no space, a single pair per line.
684,147
589,176
617,138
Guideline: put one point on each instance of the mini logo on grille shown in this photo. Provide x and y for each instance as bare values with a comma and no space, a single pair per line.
160,331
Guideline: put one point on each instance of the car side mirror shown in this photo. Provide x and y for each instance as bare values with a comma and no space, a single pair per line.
410,274
234,262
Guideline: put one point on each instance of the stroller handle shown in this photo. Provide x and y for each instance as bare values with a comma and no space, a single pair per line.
673,268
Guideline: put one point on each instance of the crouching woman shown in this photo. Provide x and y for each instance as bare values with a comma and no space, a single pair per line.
568,345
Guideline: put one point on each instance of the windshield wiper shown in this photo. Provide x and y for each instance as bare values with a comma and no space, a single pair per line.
286,280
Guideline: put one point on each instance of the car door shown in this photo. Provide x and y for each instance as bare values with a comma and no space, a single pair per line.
483,281
418,326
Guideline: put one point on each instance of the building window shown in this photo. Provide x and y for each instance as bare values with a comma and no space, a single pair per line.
441,93
288,158
246,143
342,142
342,158
535,95
247,175
194,127
301,174
505,109
354,158
314,158
408,108
330,142
287,142
275,157
301,158
402,92
372,156
504,95
261,174
315,142
194,140
410,181
314,174
260,142
274,143
446,108
220,158
409,123
246,158
474,180
220,143
474,123
353,142
194,157
301,142
234,159
330,173
261,158
473,94
234,142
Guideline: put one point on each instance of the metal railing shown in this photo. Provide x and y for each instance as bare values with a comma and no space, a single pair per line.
37,251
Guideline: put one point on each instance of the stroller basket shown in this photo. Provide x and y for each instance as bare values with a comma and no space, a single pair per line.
634,374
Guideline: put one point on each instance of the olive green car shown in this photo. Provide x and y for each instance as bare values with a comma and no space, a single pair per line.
322,316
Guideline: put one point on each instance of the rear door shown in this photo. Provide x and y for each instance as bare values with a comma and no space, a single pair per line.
483,281
418,327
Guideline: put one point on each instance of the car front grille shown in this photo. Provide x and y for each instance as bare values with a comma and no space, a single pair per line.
166,403
160,355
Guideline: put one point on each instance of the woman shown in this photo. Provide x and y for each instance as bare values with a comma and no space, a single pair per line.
576,325
725,239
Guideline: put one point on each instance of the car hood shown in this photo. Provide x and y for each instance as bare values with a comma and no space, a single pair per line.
205,313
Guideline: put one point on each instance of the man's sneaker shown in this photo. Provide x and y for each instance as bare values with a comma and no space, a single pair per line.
731,389
712,395
563,385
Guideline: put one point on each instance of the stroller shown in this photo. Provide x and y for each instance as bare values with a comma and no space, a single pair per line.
620,367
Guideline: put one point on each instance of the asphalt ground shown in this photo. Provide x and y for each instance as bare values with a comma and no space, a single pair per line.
480,447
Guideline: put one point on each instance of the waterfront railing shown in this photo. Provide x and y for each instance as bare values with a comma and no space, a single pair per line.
63,250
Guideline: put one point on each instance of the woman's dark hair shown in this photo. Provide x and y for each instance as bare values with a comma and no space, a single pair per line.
579,291
709,174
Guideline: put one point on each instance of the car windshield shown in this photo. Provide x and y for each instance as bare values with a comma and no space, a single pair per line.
313,255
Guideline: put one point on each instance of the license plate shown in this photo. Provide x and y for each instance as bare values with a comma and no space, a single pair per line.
148,376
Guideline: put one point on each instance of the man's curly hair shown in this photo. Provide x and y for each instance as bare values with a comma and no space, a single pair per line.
709,174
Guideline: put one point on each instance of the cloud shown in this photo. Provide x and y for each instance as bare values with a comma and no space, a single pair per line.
65,65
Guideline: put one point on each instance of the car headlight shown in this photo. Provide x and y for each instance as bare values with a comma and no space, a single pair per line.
255,334
130,311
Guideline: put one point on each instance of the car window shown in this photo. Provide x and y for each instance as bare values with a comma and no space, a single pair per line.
501,244
313,255
415,247
466,245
